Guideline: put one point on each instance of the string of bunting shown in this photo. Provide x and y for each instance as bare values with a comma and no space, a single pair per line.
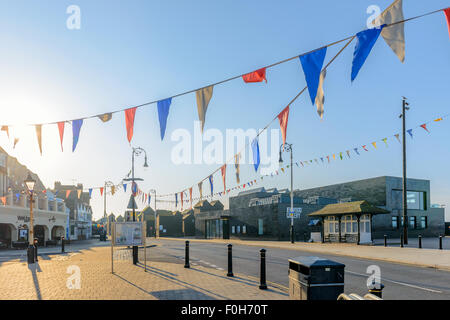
390,24
323,160
391,28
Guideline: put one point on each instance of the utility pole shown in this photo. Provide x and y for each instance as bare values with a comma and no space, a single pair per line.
405,204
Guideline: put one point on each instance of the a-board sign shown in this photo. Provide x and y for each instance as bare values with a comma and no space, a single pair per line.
128,234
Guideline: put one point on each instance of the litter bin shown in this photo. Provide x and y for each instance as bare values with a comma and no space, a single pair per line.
314,278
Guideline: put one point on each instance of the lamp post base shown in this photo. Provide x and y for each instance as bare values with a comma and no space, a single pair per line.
30,254
135,255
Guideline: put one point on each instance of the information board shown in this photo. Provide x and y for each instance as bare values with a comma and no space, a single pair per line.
128,234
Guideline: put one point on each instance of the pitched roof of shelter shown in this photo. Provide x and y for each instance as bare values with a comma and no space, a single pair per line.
354,207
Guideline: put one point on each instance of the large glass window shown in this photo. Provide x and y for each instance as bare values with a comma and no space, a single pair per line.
415,200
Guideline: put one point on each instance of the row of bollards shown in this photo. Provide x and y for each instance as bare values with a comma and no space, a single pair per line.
419,238
262,281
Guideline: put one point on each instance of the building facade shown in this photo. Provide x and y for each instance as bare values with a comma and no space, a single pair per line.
80,211
387,192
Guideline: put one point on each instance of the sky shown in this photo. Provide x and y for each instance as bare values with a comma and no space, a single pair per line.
130,53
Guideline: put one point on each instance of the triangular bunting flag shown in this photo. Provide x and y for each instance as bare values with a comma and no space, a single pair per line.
447,16
124,187
255,76
203,98
356,150
211,184
438,119
163,112
424,126
90,192
39,136
79,193
365,41
105,117
320,98
374,144
68,193
410,132
76,127
398,137
255,151
385,141
237,158
283,119
223,169
393,35
200,184
129,122
6,129
101,191
312,66
364,147
61,132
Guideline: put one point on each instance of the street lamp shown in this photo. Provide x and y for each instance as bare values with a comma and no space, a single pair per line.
405,205
30,183
136,151
288,148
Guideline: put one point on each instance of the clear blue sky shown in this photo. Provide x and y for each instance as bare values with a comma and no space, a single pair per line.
127,53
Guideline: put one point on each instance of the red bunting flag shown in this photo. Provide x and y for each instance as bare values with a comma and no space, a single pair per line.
190,195
447,16
3,200
224,172
129,122
424,126
283,118
255,76
61,132
364,147
67,193
101,191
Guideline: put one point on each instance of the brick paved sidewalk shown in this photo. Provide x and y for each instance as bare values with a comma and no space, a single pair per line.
49,278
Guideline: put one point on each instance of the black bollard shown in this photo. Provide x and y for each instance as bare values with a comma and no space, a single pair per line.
186,258
401,241
440,242
62,244
385,240
230,261
35,250
377,291
420,241
262,282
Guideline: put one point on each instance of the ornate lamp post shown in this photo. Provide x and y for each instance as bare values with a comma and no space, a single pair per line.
288,148
30,183
136,151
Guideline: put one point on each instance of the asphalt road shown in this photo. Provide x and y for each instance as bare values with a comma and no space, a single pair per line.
401,281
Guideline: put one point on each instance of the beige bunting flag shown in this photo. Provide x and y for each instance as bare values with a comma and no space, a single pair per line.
200,189
39,136
320,98
393,35
203,97
105,117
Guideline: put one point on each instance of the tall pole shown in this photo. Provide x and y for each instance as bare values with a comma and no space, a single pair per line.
292,198
135,249
104,207
31,237
155,212
405,208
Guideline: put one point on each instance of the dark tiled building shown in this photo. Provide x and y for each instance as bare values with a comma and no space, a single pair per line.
386,192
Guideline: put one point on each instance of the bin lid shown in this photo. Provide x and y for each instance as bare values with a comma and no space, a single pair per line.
315,262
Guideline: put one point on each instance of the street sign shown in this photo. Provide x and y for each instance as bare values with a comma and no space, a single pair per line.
128,234
294,213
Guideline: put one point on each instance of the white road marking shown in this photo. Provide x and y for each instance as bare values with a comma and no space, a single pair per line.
397,282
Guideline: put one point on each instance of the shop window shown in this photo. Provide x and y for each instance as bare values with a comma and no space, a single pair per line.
233,230
260,226
394,222
423,222
238,229
244,229
412,222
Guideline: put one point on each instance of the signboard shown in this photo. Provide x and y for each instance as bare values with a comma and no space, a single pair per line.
128,234
294,213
